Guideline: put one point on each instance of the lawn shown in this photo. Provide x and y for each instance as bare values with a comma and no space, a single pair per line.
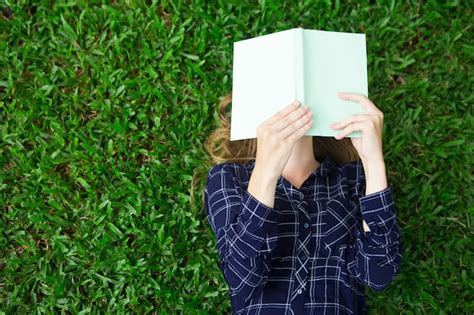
104,109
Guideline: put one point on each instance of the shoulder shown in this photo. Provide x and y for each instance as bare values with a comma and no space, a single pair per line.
353,170
229,171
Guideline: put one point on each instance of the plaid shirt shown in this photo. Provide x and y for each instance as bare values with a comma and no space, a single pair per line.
309,253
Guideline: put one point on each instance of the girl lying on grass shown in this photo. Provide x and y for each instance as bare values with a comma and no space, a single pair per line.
303,223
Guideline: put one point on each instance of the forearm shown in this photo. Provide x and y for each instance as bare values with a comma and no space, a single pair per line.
262,186
245,229
375,180
375,176
374,257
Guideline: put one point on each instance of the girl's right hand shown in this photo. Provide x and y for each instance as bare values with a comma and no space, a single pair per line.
277,135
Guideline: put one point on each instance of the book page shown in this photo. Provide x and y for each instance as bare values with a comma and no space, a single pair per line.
263,80
333,62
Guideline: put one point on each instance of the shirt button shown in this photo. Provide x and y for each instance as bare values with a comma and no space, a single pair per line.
362,207
299,291
306,225
304,257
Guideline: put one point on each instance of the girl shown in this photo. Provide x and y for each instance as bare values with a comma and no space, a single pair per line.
303,223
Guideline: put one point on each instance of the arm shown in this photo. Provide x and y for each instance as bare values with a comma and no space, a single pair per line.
376,180
374,257
244,226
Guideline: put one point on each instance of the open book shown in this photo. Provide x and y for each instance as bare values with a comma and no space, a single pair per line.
311,66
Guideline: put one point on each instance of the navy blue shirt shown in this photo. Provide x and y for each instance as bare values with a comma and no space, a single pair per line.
309,253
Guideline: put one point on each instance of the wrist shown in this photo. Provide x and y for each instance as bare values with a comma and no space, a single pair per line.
375,176
268,174
262,186
377,164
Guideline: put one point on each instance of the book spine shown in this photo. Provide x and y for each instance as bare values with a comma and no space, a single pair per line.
299,67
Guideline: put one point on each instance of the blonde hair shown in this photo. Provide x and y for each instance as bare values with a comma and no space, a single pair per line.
221,149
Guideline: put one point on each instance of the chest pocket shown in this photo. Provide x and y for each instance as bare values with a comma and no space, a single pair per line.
339,223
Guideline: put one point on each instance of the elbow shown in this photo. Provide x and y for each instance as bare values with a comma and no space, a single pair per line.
246,276
382,283
384,274
374,265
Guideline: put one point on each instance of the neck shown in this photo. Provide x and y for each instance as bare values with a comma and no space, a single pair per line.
301,162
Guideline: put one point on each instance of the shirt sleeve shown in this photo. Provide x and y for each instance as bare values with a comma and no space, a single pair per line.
374,257
245,230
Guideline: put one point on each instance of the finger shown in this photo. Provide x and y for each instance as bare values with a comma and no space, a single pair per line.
284,111
290,119
361,99
351,128
299,132
296,125
350,120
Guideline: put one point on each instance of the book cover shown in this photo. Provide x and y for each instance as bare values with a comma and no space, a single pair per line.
272,70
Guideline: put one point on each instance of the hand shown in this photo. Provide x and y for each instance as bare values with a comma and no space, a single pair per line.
370,123
277,135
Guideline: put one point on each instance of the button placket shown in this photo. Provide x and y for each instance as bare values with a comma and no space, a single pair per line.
302,206
306,231
297,202
304,241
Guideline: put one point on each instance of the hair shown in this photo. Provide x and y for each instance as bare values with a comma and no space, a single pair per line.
222,150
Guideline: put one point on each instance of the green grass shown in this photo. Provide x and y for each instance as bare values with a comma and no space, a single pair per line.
104,110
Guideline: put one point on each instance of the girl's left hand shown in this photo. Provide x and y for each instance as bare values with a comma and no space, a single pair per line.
370,123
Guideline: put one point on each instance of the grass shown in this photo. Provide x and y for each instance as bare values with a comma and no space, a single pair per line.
104,109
